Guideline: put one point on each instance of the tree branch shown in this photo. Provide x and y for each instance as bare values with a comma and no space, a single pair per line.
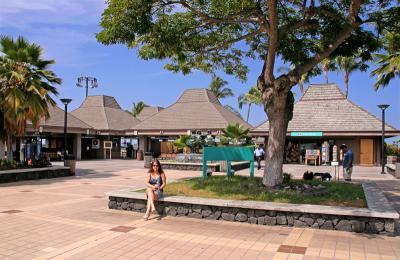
353,22
230,42
268,76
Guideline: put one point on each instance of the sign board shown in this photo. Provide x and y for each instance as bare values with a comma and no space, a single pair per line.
235,153
107,144
335,163
95,144
306,134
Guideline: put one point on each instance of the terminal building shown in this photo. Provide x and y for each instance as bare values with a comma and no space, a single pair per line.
324,115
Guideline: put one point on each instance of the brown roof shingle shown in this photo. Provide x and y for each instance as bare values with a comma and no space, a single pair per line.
195,109
104,113
324,108
148,112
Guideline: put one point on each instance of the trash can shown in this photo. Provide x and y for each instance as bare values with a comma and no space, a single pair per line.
148,157
71,163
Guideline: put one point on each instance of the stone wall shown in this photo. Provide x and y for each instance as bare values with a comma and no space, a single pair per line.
34,174
261,217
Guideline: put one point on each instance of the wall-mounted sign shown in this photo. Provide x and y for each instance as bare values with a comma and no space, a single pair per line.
306,134
108,144
95,144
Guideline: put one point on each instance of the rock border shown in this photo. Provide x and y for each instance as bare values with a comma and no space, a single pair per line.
34,174
374,220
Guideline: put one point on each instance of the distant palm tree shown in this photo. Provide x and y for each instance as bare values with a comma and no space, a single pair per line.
217,87
327,64
347,65
26,85
137,108
252,97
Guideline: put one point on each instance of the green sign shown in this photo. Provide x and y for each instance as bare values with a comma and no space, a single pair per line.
306,134
238,153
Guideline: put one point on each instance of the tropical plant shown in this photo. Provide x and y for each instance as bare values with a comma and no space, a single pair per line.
388,63
181,142
26,86
217,87
348,65
233,110
220,35
195,143
252,97
236,134
137,108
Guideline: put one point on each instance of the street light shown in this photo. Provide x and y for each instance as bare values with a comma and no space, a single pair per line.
383,107
88,80
65,101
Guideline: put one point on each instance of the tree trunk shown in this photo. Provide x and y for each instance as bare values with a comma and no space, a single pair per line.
346,81
279,113
9,148
248,113
326,73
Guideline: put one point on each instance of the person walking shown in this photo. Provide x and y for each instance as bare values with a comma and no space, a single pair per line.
155,183
347,162
259,154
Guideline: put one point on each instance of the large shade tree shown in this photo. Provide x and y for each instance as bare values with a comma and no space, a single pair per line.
26,87
212,35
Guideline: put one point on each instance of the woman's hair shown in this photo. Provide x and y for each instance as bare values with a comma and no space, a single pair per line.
160,170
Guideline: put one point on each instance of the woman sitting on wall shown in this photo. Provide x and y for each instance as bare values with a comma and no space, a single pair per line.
155,183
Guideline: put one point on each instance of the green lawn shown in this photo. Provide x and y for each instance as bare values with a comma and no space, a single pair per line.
246,188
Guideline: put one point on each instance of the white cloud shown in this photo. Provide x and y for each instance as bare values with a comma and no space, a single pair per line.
64,29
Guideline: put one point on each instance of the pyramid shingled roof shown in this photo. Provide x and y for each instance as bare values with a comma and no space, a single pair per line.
148,112
55,122
104,113
324,108
196,109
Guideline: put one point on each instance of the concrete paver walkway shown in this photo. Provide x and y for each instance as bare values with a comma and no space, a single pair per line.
68,218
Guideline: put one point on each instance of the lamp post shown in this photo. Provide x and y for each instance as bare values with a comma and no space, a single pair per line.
65,101
87,80
383,108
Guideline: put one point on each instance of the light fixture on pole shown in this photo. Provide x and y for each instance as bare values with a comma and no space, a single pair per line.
65,101
383,108
84,81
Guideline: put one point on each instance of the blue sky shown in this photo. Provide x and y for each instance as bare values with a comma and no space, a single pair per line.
66,31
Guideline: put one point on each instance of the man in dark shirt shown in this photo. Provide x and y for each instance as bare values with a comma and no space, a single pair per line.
347,162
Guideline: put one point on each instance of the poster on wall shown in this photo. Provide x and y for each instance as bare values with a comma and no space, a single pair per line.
95,144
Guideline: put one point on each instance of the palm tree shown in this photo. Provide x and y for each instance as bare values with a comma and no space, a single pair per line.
26,85
137,108
326,64
252,97
217,87
236,133
388,68
347,65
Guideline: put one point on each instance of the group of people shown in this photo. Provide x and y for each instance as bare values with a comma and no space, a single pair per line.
156,179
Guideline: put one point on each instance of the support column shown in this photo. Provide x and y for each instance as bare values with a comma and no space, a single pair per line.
2,150
143,143
78,146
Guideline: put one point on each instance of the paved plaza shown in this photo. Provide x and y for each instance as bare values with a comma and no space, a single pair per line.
68,218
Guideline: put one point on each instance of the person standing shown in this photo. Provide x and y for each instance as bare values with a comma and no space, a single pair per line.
259,154
347,162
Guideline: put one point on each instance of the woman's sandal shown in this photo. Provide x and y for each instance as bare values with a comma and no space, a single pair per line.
146,217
